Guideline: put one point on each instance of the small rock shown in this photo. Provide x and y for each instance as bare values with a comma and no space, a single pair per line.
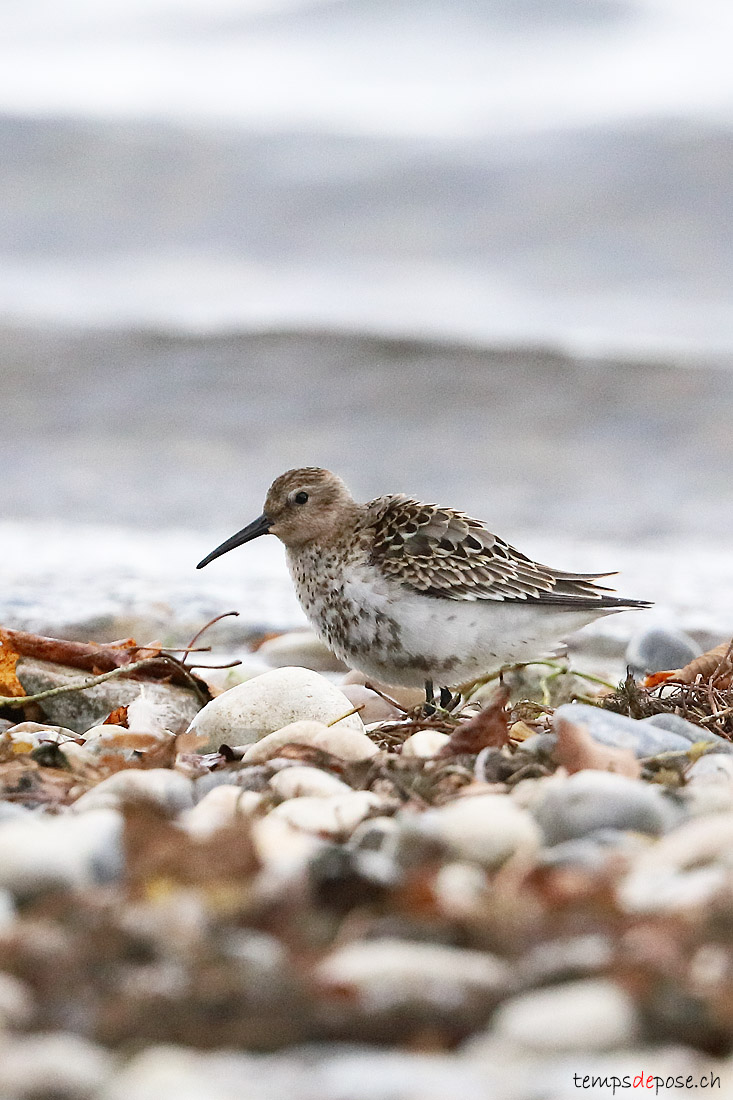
334,815
58,1064
484,828
219,808
164,787
425,743
40,852
284,849
302,781
341,741
80,710
711,768
675,723
249,778
618,731
374,709
246,713
579,804
461,890
389,974
407,697
659,650
16,1003
302,648
592,851
589,1015
685,869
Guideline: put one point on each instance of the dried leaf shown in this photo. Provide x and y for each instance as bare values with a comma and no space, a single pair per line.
118,717
489,727
10,685
577,751
716,665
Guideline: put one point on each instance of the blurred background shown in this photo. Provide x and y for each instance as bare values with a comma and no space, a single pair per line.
476,252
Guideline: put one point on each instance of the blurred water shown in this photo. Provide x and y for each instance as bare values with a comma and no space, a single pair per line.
508,170
477,252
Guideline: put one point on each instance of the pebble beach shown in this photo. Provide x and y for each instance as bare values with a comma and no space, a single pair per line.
479,255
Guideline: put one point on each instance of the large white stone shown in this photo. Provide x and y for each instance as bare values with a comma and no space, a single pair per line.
268,702
68,850
343,742
334,815
484,828
388,973
593,1014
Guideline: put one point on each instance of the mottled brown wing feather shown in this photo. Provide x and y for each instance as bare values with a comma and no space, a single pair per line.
444,553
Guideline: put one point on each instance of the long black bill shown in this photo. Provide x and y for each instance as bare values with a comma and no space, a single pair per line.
259,526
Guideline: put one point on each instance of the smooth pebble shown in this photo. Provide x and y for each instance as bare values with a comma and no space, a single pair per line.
333,815
581,1016
222,806
344,742
301,780
164,787
576,805
484,828
266,703
425,743
300,648
39,852
618,731
386,974
660,649
54,1064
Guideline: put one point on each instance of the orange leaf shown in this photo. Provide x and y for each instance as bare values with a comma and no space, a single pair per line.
10,685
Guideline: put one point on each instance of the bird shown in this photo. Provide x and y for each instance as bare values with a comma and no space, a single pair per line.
414,594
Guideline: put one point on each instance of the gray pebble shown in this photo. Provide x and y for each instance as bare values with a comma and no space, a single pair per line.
591,800
589,852
659,649
620,732
675,723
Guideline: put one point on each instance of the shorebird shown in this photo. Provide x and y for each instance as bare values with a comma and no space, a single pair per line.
415,594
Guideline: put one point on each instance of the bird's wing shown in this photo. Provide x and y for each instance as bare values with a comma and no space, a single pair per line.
444,553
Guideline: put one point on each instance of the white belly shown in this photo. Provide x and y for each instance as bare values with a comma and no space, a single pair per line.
401,637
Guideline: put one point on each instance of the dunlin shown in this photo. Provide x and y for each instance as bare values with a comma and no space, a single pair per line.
410,593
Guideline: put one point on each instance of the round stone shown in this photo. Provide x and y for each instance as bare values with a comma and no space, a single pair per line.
266,703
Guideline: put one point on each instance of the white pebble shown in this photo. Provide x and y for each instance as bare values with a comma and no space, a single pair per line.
300,780
302,648
583,1016
335,815
162,786
54,1064
390,973
345,743
485,828
40,852
268,702
220,807
425,743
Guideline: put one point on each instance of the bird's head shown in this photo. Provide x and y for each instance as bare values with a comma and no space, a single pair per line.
301,507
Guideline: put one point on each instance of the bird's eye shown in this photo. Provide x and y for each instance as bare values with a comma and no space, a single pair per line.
301,497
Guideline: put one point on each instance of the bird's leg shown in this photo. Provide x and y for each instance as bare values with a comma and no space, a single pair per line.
429,697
